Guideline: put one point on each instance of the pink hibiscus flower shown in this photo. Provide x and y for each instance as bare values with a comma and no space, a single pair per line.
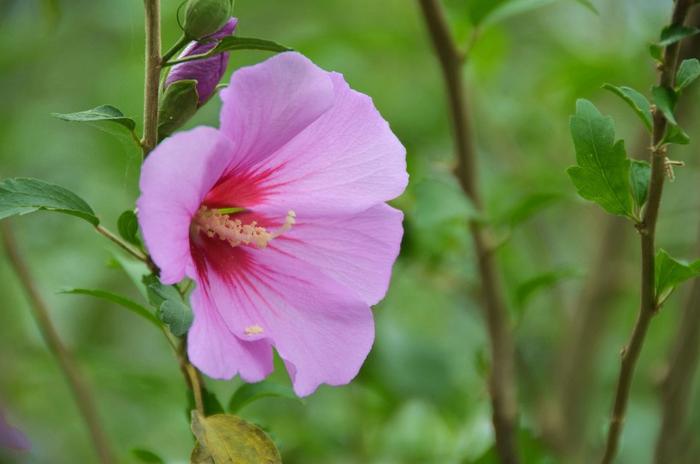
280,218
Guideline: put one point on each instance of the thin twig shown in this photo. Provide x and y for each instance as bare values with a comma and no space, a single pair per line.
501,378
121,243
647,230
81,392
152,76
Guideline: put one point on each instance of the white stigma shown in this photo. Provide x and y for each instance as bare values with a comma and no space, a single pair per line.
214,223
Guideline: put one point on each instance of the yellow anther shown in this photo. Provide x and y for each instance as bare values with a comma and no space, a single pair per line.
214,223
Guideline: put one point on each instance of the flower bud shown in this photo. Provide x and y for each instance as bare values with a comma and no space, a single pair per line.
205,17
189,85
177,106
206,72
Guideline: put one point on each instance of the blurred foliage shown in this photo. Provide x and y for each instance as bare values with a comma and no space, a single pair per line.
421,396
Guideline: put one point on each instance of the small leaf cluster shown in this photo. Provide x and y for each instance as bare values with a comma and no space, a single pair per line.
605,174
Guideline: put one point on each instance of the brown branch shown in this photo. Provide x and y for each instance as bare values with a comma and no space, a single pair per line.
677,383
152,76
78,386
501,378
647,230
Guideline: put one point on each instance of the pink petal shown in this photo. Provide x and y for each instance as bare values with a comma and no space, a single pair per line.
217,352
347,160
317,325
175,178
269,103
357,250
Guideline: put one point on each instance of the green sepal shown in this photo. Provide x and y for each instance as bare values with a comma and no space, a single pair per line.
178,104
204,17
170,307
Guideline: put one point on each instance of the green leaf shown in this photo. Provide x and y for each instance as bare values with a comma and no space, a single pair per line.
118,299
656,52
22,195
250,392
602,174
169,305
227,439
528,206
149,457
134,269
128,227
235,42
635,100
670,272
588,4
674,33
688,71
543,281
507,9
101,113
640,173
665,100
674,134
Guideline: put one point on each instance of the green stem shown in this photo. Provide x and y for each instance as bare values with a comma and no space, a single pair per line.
152,76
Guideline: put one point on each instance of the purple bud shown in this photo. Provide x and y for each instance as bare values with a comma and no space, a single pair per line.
207,72
10,437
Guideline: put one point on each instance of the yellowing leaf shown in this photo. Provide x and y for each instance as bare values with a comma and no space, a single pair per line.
228,439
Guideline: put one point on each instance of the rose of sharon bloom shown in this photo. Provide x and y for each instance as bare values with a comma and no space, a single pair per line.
206,72
10,437
280,218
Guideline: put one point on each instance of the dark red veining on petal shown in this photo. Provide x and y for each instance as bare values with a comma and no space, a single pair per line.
241,189
234,265
212,253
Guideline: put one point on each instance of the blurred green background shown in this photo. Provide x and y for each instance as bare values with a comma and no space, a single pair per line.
421,396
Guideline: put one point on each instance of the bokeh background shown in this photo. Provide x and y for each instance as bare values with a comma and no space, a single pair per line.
569,272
